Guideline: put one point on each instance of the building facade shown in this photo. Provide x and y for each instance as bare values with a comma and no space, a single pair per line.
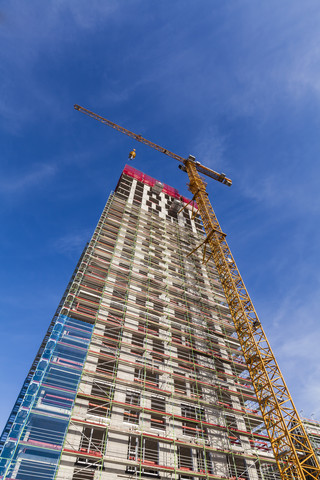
140,373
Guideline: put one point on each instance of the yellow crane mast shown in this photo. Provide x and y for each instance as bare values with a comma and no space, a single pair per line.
290,443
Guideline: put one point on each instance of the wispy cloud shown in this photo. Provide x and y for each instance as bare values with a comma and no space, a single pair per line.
71,243
29,33
274,58
268,54
22,22
299,357
21,182
278,57
291,189
295,341
209,146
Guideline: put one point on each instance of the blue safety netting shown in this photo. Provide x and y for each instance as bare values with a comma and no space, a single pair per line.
34,444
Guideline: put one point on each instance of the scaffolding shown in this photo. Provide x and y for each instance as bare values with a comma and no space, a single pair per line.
164,348
160,385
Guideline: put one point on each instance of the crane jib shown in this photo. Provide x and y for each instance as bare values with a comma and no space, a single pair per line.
201,168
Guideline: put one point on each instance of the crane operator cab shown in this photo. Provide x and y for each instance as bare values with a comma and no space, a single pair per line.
132,154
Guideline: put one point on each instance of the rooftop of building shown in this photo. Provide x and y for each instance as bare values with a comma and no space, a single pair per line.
147,180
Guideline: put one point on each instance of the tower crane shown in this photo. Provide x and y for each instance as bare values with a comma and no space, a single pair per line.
290,443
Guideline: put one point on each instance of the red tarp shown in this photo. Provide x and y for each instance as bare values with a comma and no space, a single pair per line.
142,177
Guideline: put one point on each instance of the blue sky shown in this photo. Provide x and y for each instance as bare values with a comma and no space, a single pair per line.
237,84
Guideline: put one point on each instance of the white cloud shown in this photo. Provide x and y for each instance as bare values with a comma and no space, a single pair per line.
293,190
295,341
71,243
209,147
35,31
266,65
23,181
53,21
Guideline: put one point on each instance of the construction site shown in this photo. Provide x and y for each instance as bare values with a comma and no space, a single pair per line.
155,363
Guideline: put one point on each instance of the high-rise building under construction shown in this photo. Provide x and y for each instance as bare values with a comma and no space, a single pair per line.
140,373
